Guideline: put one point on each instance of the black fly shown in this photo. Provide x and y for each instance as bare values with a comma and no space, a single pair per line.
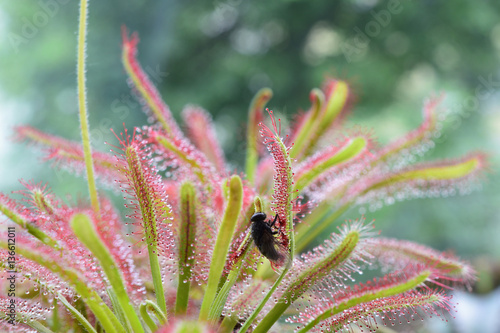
264,237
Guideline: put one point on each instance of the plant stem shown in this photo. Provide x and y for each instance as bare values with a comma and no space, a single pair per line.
157,281
221,298
151,306
82,106
222,244
29,227
187,239
77,314
101,311
257,310
86,233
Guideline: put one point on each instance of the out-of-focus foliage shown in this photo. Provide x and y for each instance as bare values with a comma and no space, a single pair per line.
218,54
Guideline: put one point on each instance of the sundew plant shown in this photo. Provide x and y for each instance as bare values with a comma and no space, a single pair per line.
195,251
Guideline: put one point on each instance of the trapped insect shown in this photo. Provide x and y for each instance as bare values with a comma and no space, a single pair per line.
264,237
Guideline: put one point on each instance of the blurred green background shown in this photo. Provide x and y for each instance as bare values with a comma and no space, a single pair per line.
217,54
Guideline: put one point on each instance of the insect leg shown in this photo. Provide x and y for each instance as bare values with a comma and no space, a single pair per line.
274,221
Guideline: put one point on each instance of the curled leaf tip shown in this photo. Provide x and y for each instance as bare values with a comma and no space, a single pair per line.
258,204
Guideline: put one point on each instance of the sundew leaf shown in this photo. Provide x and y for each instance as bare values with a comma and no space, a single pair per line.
326,159
390,309
335,257
82,105
282,205
421,136
336,301
222,243
454,176
85,231
25,314
150,206
397,254
184,154
450,177
330,113
69,155
10,209
283,189
151,97
305,124
89,296
201,131
255,117
186,245
81,318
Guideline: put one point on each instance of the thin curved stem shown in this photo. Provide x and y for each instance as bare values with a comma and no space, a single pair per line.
82,106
